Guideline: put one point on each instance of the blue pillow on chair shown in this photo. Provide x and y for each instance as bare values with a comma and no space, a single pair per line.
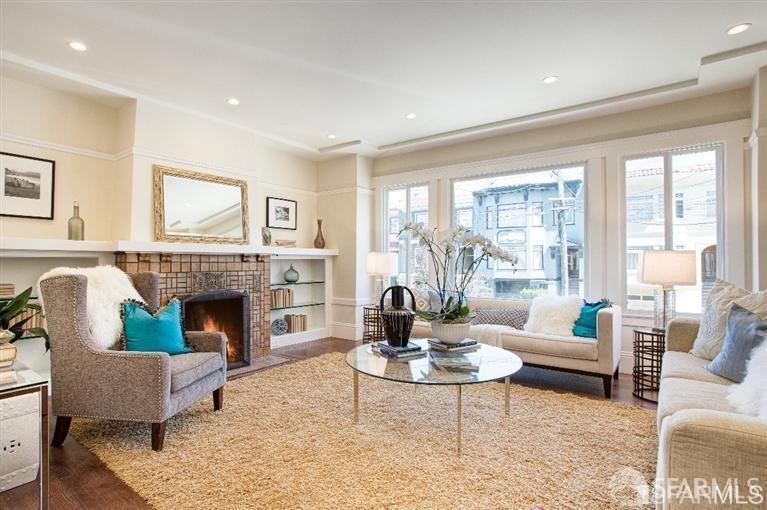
586,324
160,332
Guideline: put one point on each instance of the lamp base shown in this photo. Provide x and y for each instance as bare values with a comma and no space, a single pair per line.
663,313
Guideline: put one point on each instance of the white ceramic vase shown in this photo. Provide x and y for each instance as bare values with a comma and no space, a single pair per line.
450,333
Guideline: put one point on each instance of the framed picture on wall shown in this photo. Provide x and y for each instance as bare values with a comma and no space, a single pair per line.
281,213
26,189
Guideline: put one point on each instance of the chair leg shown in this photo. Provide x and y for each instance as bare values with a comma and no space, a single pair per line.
607,380
616,374
158,435
218,399
62,429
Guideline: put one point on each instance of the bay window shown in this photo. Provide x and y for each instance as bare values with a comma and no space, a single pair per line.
671,203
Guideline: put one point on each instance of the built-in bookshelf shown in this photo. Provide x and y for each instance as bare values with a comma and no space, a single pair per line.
306,299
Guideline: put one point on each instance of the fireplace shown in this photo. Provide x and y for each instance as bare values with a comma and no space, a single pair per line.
222,310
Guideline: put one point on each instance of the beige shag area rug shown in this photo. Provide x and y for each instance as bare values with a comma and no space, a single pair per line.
286,439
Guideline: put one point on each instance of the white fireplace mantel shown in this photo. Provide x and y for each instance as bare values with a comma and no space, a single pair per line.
18,247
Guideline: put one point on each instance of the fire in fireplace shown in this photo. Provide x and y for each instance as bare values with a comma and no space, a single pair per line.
222,310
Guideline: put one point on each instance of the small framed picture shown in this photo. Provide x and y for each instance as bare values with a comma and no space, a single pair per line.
26,189
281,213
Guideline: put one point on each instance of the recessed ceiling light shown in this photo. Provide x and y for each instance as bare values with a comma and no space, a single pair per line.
410,116
331,136
551,79
738,29
77,45
188,205
233,101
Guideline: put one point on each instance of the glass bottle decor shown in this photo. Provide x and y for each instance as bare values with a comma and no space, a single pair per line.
319,241
76,225
291,275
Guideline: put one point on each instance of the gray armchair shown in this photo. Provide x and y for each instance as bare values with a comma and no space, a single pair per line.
90,382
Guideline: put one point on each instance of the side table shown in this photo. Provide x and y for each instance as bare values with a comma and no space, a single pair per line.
24,457
649,346
372,326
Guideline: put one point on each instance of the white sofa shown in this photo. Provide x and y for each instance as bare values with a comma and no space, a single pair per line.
574,354
702,436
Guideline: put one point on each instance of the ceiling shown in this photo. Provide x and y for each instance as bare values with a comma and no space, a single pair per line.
303,70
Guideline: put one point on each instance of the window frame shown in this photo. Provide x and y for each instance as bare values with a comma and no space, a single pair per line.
408,213
669,210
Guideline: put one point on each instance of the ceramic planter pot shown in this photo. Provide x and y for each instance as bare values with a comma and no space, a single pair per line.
450,333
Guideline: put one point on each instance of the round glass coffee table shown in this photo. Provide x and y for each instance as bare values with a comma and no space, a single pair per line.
493,364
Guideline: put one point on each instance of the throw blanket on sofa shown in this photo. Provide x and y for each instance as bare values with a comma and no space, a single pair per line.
489,334
107,288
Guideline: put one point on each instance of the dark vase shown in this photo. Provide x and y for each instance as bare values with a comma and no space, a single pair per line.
397,319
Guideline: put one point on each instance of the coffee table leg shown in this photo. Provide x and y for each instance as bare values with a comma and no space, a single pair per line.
507,383
356,396
459,418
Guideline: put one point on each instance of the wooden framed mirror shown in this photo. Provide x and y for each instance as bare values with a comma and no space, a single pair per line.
195,207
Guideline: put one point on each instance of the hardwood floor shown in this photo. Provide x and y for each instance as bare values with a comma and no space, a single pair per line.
80,481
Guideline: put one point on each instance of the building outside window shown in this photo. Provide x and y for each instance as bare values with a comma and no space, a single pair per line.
550,255
687,221
403,205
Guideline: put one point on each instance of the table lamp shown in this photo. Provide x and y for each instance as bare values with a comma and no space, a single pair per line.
381,264
667,268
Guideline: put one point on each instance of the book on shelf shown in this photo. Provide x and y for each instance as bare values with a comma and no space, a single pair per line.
462,346
296,322
285,243
281,298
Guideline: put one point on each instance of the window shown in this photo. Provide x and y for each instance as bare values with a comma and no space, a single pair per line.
511,215
521,201
686,220
464,218
405,205
679,205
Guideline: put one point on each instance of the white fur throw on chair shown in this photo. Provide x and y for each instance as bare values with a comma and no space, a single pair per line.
750,396
554,315
107,288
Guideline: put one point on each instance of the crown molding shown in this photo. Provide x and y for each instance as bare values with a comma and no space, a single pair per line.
43,144
351,189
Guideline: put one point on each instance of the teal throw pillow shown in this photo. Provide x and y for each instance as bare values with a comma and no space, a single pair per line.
586,324
160,332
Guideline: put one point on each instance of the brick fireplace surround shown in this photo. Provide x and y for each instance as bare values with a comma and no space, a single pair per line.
184,274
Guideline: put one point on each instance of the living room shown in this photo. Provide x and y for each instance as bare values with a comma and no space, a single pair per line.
552,228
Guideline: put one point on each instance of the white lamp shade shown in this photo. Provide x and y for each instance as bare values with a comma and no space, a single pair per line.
668,267
382,263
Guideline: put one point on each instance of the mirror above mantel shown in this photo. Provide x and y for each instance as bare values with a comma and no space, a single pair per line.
195,207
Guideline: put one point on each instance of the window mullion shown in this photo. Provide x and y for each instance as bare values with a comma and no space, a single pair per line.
668,201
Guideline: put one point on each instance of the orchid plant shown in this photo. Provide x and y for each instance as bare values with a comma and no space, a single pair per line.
454,267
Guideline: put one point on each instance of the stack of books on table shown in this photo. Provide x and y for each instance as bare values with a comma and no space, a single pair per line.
464,345
410,351
465,362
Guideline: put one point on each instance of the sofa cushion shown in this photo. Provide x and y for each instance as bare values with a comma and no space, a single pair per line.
683,365
550,345
677,394
188,368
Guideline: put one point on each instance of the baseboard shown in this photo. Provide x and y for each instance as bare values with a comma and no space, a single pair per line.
298,338
346,330
626,363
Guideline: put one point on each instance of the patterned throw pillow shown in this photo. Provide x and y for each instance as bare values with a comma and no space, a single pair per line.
514,317
713,322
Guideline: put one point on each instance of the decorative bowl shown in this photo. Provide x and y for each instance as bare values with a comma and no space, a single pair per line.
450,333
